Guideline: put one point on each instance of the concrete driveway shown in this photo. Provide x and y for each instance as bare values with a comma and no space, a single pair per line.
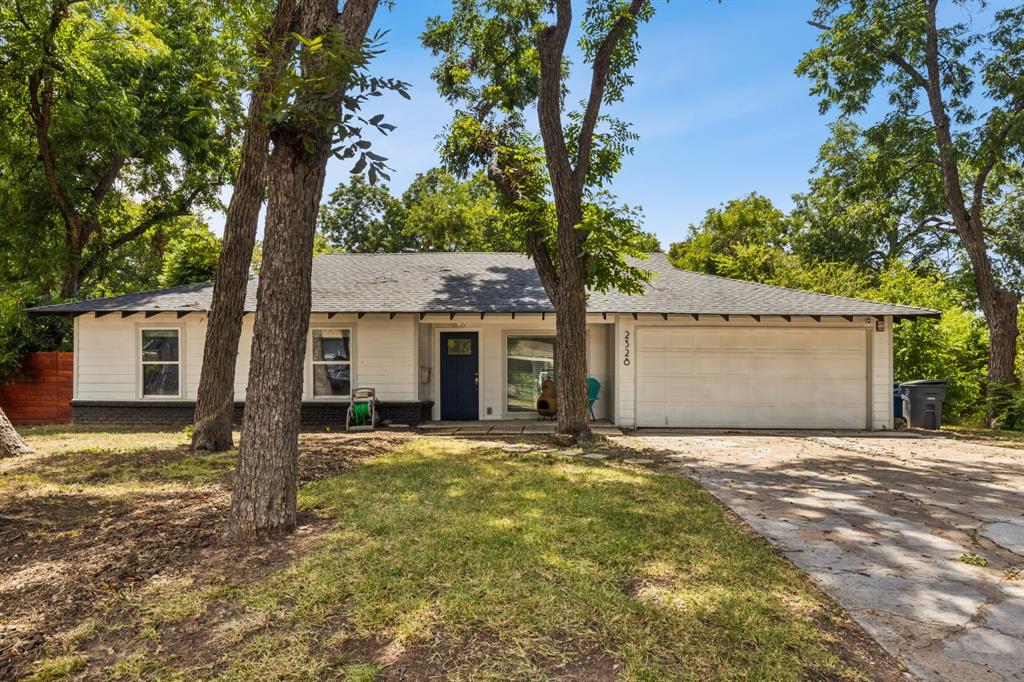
882,522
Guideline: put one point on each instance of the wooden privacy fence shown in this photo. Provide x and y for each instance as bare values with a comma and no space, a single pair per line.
41,393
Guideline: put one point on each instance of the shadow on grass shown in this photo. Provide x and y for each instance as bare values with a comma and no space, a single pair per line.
454,559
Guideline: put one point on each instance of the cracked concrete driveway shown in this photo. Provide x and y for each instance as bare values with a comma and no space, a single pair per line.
881,522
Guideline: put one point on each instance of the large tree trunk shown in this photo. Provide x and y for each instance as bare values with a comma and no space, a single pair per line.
571,355
11,443
263,498
1003,333
216,397
998,304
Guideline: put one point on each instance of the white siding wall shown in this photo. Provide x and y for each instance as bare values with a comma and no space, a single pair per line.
597,366
389,354
625,376
385,353
107,358
881,377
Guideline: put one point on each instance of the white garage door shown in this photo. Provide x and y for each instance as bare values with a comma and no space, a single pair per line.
765,377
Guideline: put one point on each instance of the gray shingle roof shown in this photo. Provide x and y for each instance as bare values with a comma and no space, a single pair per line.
498,282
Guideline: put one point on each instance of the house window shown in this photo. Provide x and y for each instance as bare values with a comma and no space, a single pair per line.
332,363
530,361
161,363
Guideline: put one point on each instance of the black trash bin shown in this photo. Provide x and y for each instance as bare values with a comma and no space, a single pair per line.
922,403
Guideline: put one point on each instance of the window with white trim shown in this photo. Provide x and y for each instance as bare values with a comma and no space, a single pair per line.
332,363
529,363
161,363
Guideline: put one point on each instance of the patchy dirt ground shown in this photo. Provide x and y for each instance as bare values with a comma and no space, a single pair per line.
77,528
920,537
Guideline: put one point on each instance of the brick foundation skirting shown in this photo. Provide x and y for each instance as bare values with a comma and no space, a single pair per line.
179,413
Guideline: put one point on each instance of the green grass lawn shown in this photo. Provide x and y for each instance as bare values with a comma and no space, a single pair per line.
448,558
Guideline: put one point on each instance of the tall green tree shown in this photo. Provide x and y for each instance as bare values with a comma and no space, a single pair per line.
970,85
871,202
500,58
215,398
190,257
752,220
117,118
316,115
363,218
441,213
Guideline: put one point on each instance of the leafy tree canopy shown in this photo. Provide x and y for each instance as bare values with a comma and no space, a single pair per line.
752,222
491,70
868,205
191,256
117,118
438,212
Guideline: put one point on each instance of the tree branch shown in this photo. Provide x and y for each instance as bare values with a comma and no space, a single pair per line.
551,48
183,208
99,193
894,57
998,139
598,84
40,94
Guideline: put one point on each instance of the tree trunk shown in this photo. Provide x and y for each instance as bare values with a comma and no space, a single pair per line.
263,500
216,397
998,304
571,355
265,485
11,443
1003,333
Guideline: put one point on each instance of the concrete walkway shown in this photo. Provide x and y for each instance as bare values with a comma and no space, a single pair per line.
885,524
507,427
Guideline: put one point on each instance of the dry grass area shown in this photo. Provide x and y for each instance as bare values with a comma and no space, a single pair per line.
418,558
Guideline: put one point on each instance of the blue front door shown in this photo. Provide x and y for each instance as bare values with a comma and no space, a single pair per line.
460,376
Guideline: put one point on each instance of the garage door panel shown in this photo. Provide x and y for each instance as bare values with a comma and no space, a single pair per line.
656,339
651,391
654,364
752,378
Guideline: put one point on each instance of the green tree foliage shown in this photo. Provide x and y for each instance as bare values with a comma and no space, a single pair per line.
117,118
190,257
441,213
490,70
360,218
868,205
954,347
438,212
752,224
952,127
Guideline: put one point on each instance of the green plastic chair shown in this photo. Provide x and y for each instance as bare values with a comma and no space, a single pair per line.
593,389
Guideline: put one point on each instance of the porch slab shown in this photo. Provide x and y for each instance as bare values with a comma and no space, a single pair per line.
506,427
542,427
511,430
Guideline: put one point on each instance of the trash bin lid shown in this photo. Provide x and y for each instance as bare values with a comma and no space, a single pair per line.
925,382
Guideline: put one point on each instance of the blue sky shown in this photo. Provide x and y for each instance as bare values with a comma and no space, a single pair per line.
716,104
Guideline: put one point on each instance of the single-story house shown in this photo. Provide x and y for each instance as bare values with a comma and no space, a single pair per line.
467,336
